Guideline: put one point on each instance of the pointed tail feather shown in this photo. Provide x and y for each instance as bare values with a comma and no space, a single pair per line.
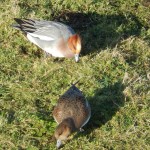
75,82
25,25
19,21
16,26
25,21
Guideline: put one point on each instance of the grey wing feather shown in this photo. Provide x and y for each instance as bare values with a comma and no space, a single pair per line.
52,29
43,28
26,25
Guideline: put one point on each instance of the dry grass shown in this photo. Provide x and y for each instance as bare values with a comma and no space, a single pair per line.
113,71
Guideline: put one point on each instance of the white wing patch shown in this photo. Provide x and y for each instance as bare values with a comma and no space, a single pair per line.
86,121
42,37
31,39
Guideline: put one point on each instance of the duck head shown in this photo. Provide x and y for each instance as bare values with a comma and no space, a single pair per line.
74,43
64,130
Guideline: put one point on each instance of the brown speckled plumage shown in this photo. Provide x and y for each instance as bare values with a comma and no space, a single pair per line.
72,105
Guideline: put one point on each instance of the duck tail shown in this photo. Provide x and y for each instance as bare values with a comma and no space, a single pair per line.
73,84
25,25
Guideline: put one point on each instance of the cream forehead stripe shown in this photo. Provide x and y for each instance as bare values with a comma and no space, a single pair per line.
78,46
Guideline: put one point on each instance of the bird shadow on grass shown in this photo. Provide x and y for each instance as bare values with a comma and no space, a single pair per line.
98,31
101,31
105,104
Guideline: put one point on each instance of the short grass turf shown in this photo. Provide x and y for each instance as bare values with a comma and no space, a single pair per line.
114,73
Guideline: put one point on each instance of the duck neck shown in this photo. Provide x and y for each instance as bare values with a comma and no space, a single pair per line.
70,123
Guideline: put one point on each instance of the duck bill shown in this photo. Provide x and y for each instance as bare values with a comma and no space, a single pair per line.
76,57
59,143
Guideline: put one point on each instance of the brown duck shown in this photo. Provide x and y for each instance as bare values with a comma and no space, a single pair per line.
71,113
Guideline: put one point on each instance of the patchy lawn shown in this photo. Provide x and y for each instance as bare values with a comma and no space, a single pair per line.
114,73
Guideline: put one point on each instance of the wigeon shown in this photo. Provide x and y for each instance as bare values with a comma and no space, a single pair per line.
55,38
71,113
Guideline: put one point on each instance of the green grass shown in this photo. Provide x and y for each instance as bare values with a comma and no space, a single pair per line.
114,73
